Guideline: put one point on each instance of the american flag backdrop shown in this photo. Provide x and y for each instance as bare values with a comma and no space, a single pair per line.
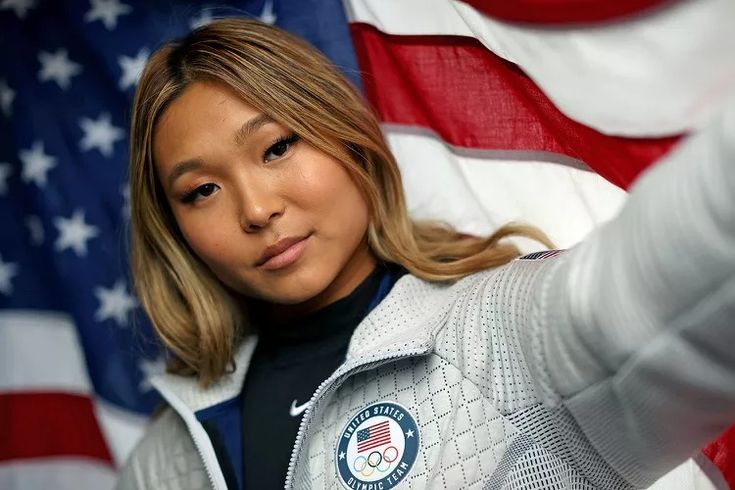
537,110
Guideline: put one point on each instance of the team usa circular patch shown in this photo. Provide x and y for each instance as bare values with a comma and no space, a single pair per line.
377,447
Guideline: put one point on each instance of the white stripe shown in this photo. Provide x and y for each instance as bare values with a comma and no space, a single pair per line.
657,74
40,351
709,472
56,474
687,476
426,16
478,195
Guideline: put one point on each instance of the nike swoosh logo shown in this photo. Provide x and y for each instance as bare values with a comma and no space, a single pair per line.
295,411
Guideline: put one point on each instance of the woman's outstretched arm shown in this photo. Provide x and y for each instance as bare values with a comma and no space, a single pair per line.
634,333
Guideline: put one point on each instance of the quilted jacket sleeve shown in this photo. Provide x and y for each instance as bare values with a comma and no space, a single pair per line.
634,329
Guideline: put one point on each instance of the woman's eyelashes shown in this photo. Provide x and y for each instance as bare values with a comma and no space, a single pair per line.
197,193
280,147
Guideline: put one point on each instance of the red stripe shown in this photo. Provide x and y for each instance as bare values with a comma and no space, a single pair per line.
722,454
372,444
381,425
379,430
376,435
563,11
36,425
474,99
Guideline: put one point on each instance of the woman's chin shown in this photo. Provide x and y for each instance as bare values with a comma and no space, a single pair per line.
292,295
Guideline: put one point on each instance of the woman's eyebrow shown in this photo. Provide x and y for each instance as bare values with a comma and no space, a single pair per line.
241,135
251,126
182,167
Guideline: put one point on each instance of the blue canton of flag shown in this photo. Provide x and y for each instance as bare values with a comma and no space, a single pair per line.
69,321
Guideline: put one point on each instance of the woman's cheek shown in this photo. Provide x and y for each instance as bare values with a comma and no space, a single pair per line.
325,190
202,237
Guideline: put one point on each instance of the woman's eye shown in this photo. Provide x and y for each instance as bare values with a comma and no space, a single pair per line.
200,192
280,147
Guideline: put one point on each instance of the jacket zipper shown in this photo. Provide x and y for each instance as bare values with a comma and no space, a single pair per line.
207,466
332,383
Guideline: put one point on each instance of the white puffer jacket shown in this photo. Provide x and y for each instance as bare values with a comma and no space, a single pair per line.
601,367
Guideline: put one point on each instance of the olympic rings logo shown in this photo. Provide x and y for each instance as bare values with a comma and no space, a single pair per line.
374,461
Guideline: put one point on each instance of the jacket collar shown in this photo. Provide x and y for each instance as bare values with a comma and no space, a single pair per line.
406,320
188,390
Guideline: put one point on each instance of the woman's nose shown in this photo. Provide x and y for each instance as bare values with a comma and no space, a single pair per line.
258,207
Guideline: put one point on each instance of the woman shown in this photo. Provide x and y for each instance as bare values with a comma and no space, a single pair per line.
320,338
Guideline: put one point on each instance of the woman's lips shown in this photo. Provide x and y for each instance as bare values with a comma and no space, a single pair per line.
287,257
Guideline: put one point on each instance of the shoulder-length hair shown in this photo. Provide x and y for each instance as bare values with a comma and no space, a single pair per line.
199,320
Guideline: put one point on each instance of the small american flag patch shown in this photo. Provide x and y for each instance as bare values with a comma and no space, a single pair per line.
541,255
374,436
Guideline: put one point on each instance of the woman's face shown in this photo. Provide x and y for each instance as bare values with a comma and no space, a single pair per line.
238,183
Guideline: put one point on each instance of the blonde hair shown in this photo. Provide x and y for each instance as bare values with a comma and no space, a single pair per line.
197,318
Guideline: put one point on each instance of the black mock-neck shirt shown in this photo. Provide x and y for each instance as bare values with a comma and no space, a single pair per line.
289,363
